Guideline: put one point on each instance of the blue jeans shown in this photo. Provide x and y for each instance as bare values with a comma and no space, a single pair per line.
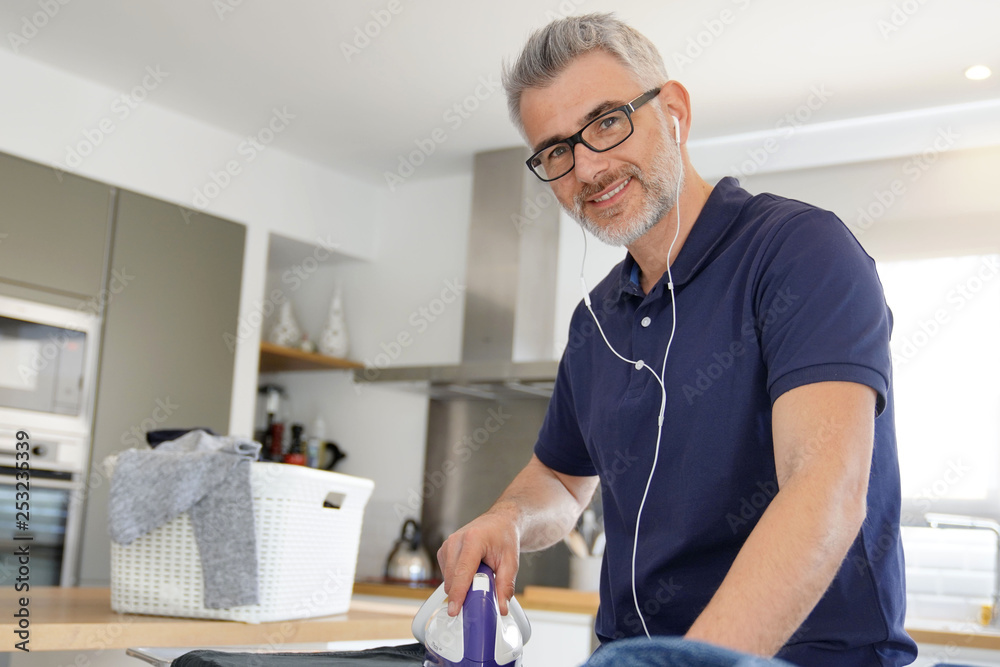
673,652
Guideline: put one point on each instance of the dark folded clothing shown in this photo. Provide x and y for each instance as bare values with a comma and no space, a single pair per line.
163,435
386,656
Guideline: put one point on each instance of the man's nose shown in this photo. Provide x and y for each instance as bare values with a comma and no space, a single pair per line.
588,164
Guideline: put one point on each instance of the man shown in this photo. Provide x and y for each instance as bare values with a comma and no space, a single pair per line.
762,515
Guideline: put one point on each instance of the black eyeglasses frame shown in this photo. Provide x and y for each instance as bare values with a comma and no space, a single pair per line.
629,109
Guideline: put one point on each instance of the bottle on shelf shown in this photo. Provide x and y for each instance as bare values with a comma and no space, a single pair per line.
272,394
295,455
314,444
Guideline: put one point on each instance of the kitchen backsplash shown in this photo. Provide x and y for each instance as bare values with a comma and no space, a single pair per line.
949,572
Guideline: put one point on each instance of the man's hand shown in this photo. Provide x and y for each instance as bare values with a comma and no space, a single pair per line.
492,539
537,510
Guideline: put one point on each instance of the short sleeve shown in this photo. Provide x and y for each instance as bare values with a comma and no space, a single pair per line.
820,310
560,444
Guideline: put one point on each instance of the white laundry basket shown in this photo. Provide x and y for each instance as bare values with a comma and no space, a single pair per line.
307,552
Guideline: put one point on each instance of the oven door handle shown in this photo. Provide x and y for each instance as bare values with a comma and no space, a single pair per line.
41,482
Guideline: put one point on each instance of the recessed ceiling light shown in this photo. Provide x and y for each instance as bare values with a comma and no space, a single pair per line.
978,72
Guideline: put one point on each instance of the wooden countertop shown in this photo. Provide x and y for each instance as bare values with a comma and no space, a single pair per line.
542,598
63,619
953,633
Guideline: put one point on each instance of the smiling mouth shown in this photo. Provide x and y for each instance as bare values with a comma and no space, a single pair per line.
605,197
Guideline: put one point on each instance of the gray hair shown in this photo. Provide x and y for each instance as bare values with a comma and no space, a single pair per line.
551,49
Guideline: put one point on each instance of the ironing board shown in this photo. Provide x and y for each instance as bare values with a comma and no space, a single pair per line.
386,656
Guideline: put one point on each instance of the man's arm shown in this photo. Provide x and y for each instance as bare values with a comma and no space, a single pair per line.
823,438
537,510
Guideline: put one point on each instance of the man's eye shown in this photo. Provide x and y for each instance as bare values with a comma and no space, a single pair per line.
556,152
609,122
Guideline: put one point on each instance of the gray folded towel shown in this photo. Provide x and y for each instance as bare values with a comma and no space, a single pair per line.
208,477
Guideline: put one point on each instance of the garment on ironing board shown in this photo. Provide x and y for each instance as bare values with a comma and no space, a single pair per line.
386,656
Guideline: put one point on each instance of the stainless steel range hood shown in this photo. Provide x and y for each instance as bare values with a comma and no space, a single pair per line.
484,414
508,346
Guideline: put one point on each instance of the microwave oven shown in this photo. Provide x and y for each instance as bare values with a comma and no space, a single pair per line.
47,366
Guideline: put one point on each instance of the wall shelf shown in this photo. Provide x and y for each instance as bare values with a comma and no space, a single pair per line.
277,358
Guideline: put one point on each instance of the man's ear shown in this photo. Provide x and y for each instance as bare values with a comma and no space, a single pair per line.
676,101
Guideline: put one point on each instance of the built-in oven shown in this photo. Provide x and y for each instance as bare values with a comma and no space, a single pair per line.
47,376
41,511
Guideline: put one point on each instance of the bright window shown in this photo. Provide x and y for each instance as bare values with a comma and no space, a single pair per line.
946,366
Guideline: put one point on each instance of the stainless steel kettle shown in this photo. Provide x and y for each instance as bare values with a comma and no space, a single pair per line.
409,561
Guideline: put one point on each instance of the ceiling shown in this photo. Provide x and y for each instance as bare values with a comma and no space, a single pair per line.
362,103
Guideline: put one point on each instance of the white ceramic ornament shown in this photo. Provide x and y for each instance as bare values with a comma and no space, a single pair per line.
333,342
286,331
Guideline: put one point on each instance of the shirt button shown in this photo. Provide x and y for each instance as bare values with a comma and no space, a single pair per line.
646,322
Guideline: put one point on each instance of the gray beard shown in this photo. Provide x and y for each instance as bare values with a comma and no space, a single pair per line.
662,182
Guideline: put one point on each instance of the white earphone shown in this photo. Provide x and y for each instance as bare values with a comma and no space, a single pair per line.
640,364
677,128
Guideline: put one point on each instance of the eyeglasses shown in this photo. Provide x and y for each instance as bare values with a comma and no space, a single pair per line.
601,134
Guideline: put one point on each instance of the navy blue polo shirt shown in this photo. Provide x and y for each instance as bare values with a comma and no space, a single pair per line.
771,294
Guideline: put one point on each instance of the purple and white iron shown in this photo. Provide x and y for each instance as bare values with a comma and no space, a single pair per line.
479,636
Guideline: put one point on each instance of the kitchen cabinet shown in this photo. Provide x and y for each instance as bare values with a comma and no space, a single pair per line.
277,358
165,362
53,228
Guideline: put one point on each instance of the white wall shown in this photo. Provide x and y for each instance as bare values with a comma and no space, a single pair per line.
421,253
933,204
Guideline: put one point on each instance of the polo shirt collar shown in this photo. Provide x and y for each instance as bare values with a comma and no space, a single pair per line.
717,217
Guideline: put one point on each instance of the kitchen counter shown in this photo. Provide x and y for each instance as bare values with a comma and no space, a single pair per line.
63,619
923,631
953,633
541,598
